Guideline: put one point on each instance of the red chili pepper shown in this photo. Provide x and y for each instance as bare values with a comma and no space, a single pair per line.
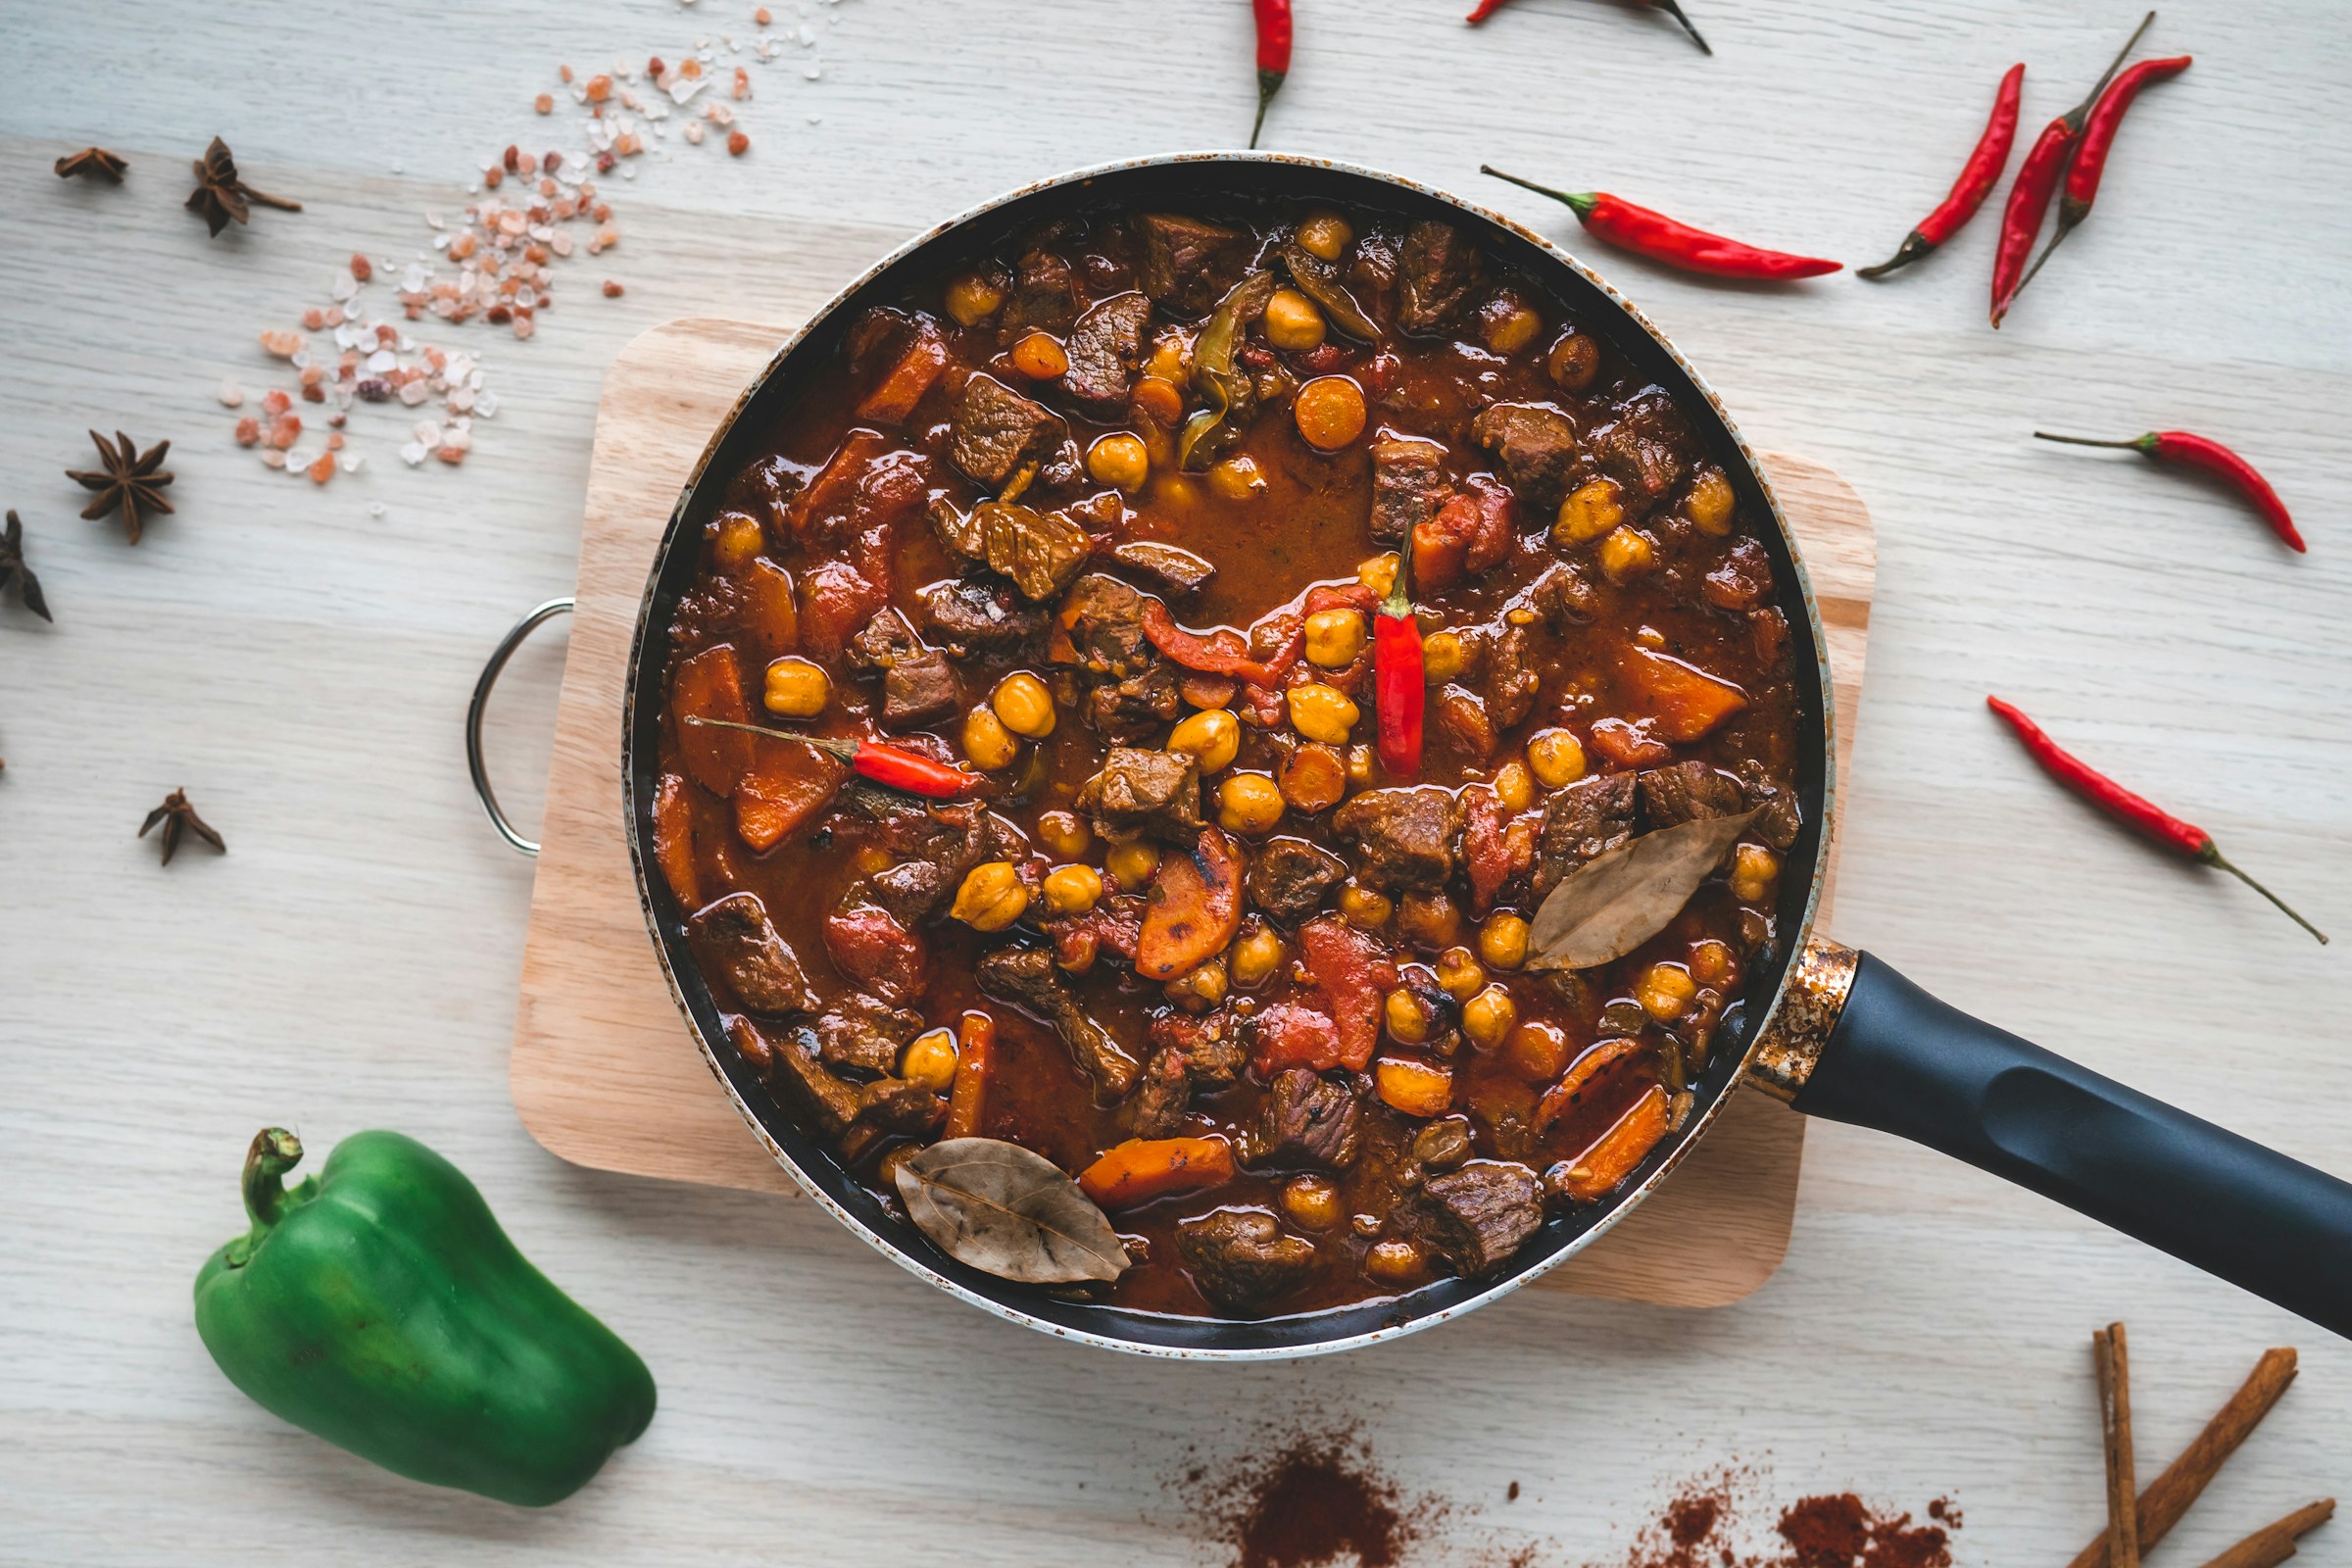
2132,809
1663,240
2209,457
2099,141
1273,54
1978,176
1198,652
1398,686
1673,7
2037,182
894,765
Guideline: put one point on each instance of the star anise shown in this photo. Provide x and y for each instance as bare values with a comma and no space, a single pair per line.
13,570
176,813
132,481
92,163
221,196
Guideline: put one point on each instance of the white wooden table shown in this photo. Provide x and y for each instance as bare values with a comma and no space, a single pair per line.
301,662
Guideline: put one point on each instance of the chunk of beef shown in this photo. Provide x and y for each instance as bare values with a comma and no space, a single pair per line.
1045,293
895,1106
1176,567
869,945
1115,925
1040,550
1436,272
1146,792
791,1061
917,681
1103,348
1536,445
1591,817
970,615
995,429
1123,712
1689,792
957,530
1744,579
1777,822
1646,447
1310,1120
1403,837
1476,1216
1242,1260
1512,678
1290,876
1562,597
1187,262
1444,1143
1027,978
865,1034
1408,486
1212,1044
1162,1096
735,937
1461,718
1105,617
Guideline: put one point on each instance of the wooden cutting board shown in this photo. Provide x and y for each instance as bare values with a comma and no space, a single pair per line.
605,1071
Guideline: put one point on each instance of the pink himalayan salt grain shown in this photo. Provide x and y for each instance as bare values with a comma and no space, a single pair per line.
285,431
762,17
738,143
599,88
312,374
334,441
324,469
313,320
232,396
272,457
492,176
694,132
691,69
249,430
511,160
612,289
552,162
565,72
275,402
314,393
544,103
284,345
362,270
743,83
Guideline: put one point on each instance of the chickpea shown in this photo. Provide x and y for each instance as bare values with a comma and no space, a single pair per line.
1359,766
1509,324
1322,712
1710,962
1710,503
991,898
1334,637
1179,492
1064,834
1324,235
796,689
1200,988
1537,1051
1292,320
1487,1017
1754,870
1665,990
1458,973
1248,803
1237,478
1592,510
1329,412
886,1169
1213,738
1394,1261
1025,704
1574,362
1514,787
1162,402
930,1060
1555,757
1131,864
1378,572
986,742
1627,553
1429,920
1502,941
1256,953
1040,357
1363,907
1407,1017
736,540
1442,656
1119,460
1073,889
972,299
1312,1202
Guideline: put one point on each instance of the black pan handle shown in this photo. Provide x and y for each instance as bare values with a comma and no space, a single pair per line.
1903,1063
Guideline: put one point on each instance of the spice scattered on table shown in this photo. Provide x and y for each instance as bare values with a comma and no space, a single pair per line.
1978,176
1671,8
220,198
2207,455
1676,244
2132,809
2083,176
13,570
1273,18
1703,1525
1315,1500
92,163
176,814
130,482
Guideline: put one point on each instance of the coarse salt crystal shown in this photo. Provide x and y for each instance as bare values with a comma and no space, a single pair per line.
486,405
380,360
345,286
413,393
413,454
232,396
271,457
284,345
249,431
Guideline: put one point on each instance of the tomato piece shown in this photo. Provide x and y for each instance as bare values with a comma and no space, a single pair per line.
1599,1170
673,839
1144,1169
1484,847
1195,910
1289,1035
869,947
1483,523
1354,975
1686,700
784,786
710,685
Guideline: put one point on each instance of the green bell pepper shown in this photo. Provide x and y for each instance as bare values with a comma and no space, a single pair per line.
379,1305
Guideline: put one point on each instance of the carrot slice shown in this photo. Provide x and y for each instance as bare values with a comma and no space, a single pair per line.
784,786
711,686
975,1043
1581,1072
1313,777
1144,1169
894,396
1599,1170
1416,1088
673,839
1195,910
1684,700
771,620
829,495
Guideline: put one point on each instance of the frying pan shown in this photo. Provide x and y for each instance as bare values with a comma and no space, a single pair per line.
1832,1032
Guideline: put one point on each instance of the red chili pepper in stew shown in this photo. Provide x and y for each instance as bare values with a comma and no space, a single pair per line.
1398,688
1198,652
2082,186
1273,54
2208,456
1978,176
2037,182
1663,240
2125,807
1673,7
894,765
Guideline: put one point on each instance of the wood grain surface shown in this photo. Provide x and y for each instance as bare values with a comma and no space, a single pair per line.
300,662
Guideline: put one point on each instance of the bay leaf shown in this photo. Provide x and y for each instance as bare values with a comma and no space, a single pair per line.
1613,902
1009,1211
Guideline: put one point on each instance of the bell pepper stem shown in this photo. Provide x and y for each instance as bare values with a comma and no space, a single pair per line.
272,1153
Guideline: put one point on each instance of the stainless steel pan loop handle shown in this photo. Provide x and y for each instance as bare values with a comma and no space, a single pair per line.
539,616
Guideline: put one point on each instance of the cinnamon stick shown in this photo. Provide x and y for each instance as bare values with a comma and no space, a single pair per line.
2274,1542
2169,1496
2114,1363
